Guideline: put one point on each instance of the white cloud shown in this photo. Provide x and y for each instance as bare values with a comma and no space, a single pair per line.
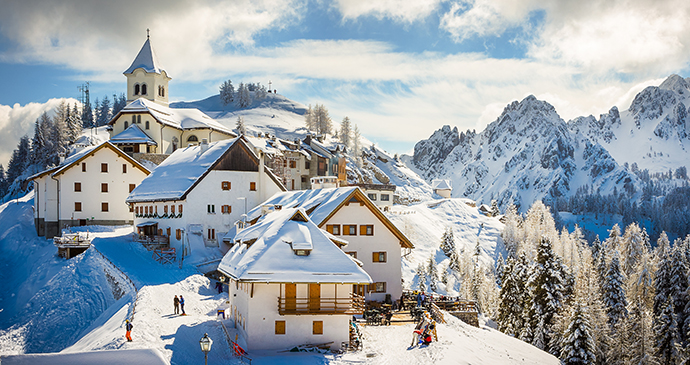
400,10
17,121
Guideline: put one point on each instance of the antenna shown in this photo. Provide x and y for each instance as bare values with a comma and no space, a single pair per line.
84,90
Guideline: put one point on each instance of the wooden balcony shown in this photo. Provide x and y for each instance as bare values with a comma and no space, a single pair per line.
354,304
152,242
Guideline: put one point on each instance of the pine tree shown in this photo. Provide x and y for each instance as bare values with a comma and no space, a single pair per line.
322,120
356,151
494,208
421,277
119,103
667,334
74,124
510,308
18,163
613,293
227,92
3,182
448,242
87,113
346,132
432,274
631,247
244,99
104,112
309,119
678,280
578,342
547,288
512,234
240,126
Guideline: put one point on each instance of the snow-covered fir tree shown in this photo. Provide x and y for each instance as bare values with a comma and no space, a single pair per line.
578,343
227,92
309,119
432,274
240,126
244,98
322,122
678,290
420,275
512,233
632,246
512,298
667,342
345,134
613,293
356,150
448,242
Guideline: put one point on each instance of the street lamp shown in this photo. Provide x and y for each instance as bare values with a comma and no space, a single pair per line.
206,343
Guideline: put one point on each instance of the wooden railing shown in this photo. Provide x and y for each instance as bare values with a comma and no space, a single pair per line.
457,306
152,242
354,304
436,313
72,240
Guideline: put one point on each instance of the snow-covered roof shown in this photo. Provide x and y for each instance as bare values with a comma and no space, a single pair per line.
441,184
322,204
146,60
271,258
82,154
133,134
182,118
182,170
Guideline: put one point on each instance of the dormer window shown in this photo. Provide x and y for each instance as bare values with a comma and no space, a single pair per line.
302,252
192,138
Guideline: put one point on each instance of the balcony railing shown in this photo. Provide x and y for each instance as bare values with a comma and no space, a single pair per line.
354,304
152,242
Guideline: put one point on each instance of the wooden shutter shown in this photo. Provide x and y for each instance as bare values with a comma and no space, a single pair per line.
362,230
280,327
317,328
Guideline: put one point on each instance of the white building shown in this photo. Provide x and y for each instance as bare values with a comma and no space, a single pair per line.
381,194
347,213
88,187
442,187
198,193
285,259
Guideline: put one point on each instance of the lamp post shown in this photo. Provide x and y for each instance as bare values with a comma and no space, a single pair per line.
206,343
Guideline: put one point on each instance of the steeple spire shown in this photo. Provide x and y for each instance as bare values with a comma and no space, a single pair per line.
147,33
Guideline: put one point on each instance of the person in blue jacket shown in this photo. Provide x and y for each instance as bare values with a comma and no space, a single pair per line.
182,305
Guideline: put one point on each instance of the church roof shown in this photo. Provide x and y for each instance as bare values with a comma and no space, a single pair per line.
133,135
180,118
147,60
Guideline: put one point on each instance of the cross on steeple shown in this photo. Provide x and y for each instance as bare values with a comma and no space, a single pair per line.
269,84
147,33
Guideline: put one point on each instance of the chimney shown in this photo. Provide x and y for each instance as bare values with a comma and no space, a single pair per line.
61,156
203,145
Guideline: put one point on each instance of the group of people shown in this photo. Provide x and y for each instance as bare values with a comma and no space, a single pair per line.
422,332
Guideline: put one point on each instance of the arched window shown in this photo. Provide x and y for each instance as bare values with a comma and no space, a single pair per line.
126,124
143,89
138,119
162,91
192,138
147,124
175,141
136,89
134,119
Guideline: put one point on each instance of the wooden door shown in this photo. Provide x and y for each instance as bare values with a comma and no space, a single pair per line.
290,297
314,297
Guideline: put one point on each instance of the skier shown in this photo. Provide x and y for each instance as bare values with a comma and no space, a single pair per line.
182,305
176,302
128,327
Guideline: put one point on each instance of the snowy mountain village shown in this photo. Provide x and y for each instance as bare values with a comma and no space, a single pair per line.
182,232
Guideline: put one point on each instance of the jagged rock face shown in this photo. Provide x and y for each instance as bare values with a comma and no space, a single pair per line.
430,152
528,153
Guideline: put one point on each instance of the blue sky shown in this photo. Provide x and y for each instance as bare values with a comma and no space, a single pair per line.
398,69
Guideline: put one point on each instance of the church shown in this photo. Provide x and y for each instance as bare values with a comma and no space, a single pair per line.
147,125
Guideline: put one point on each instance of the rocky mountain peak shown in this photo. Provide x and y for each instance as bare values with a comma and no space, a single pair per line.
676,84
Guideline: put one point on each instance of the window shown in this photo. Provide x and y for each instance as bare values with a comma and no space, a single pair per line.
138,119
379,256
83,167
379,287
104,207
167,232
302,252
212,233
165,209
252,186
366,230
307,165
192,138
143,89
104,167
385,197
147,124
226,209
131,187
293,164
352,253
372,196
211,209
146,209
77,186
172,209
178,234
280,327
126,124
333,229
137,89
104,187
225,185
180,206
77,206
317,328
124,168
349,229
134,119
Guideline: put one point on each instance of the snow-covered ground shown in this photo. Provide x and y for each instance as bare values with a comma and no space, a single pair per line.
80,305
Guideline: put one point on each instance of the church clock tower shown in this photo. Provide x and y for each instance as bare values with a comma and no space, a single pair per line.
146,78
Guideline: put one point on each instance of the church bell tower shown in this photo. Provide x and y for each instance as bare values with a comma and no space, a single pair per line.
146,78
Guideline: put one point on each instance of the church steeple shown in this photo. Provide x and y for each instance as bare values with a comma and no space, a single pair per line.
145,76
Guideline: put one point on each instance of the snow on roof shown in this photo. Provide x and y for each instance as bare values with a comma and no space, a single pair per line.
322,201
179,172
271,257
133,134
185,119
441,184
147,60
